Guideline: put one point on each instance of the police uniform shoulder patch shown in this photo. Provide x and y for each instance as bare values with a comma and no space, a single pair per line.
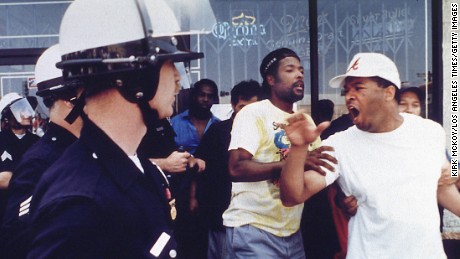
24,207
6,155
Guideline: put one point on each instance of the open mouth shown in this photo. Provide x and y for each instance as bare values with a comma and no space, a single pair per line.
353,112
299,85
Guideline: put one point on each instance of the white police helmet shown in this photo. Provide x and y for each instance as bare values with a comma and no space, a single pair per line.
128,40
7,99
19,107
48,77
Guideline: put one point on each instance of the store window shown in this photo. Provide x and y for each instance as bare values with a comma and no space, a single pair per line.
399,29
246,31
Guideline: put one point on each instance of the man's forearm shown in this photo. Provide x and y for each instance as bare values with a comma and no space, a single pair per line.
449,198
292,187
253,171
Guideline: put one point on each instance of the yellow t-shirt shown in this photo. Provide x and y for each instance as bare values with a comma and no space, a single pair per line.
258,203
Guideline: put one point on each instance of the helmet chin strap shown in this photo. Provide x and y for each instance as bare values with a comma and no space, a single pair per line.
136,87
77,109
150,115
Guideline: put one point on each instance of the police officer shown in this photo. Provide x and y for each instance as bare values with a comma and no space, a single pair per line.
15,138
14,234
100,199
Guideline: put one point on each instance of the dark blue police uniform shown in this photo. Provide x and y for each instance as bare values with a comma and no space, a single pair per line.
12,149
95,203
14,237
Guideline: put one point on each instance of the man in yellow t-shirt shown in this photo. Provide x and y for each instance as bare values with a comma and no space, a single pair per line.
257,223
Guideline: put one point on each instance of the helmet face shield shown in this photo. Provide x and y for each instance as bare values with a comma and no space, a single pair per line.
166,18
22,111
184,72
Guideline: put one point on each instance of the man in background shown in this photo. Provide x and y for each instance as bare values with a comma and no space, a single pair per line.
214,184
189,127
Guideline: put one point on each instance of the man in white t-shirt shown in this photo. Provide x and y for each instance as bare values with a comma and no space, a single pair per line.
257,224
390,162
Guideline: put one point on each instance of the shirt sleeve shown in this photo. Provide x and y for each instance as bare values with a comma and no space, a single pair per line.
245,135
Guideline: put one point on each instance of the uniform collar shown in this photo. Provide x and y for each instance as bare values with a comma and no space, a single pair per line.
55,132
109,155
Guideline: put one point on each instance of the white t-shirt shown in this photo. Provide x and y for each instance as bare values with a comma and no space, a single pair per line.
394,177
258,203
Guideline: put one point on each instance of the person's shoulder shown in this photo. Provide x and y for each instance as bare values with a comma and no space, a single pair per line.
6,136
3,137
421,123
220,126
255,107
73,174
42,150
341,136
180,115
4,133
179,118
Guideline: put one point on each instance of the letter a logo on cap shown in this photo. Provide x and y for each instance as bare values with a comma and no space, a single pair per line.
368,65
354,66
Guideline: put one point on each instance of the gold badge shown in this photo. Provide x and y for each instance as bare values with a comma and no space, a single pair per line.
173,210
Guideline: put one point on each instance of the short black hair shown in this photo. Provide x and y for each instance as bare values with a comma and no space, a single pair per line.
325,110
245,90
417,91
205,81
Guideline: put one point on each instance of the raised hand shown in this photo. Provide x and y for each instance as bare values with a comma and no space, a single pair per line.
300,131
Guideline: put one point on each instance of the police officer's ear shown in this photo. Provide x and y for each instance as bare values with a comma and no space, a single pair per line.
68,104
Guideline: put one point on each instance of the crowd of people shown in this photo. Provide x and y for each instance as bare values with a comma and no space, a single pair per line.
117,174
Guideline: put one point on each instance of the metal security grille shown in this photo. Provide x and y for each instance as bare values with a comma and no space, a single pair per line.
247,30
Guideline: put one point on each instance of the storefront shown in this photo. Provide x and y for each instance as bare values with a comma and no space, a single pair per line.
247,30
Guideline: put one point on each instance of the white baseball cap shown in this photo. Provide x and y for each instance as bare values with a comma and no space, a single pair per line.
369,65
